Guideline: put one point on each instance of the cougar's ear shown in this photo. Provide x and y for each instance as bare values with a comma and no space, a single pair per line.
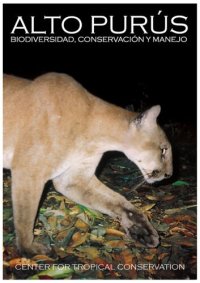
148,118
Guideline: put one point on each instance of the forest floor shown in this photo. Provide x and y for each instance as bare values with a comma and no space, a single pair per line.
90,245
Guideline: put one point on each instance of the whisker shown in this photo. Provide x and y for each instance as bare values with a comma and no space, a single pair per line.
137,177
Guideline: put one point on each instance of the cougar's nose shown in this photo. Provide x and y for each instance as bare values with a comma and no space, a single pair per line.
167,175
155,173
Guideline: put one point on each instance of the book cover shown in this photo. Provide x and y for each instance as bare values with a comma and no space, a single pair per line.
94,189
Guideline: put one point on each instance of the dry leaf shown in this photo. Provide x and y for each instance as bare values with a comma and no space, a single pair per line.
115,244
37,232
80,224
62,205
65,222
162,256
78,238
150,197
149,257
74,210
115,232
52,220
174,210
183,231
178,218
167,197
147,207
160,198
62,235
22,261
42,258
97,239
128,260
186,243
89,252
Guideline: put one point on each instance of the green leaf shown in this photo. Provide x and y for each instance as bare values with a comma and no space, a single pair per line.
44,220
7,213
55,272
42,210
90,212
67,239
8,238
163,227
180,183
100,231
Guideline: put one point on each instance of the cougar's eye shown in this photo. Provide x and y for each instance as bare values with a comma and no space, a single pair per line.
163,152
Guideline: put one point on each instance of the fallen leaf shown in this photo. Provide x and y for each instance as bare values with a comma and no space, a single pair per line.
80,224
54,212
6,264
165,244
179,240
65,222
7,213
162,256
44,258
177,218
78,238
57,197
192,228
22,261
163,227
115,232
150,197
106,265
45,277
147,207
61,235
174,210
175,230
115,244
96,239
64,237
52,222
128,260
62,205
74,210
37,232
90,212
100,231
183,231
149,257
54,272
180,183
186,243
160,198
100,274
167,197
89,252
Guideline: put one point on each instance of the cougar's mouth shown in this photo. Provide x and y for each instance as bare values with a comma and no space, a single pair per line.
154,176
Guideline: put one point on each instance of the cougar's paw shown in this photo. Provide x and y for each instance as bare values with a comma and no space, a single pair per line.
142,230
36,249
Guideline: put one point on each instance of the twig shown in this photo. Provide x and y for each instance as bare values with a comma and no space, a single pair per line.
134,189
173,210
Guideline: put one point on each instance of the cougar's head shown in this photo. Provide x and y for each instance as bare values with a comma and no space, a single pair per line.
148,147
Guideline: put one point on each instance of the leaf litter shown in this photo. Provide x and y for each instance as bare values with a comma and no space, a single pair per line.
82,237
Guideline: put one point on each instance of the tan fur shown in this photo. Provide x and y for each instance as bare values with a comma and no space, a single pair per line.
55,129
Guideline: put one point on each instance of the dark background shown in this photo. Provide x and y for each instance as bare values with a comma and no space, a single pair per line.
141,74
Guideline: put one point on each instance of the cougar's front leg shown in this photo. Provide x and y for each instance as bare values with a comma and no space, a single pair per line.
96,195
27,189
